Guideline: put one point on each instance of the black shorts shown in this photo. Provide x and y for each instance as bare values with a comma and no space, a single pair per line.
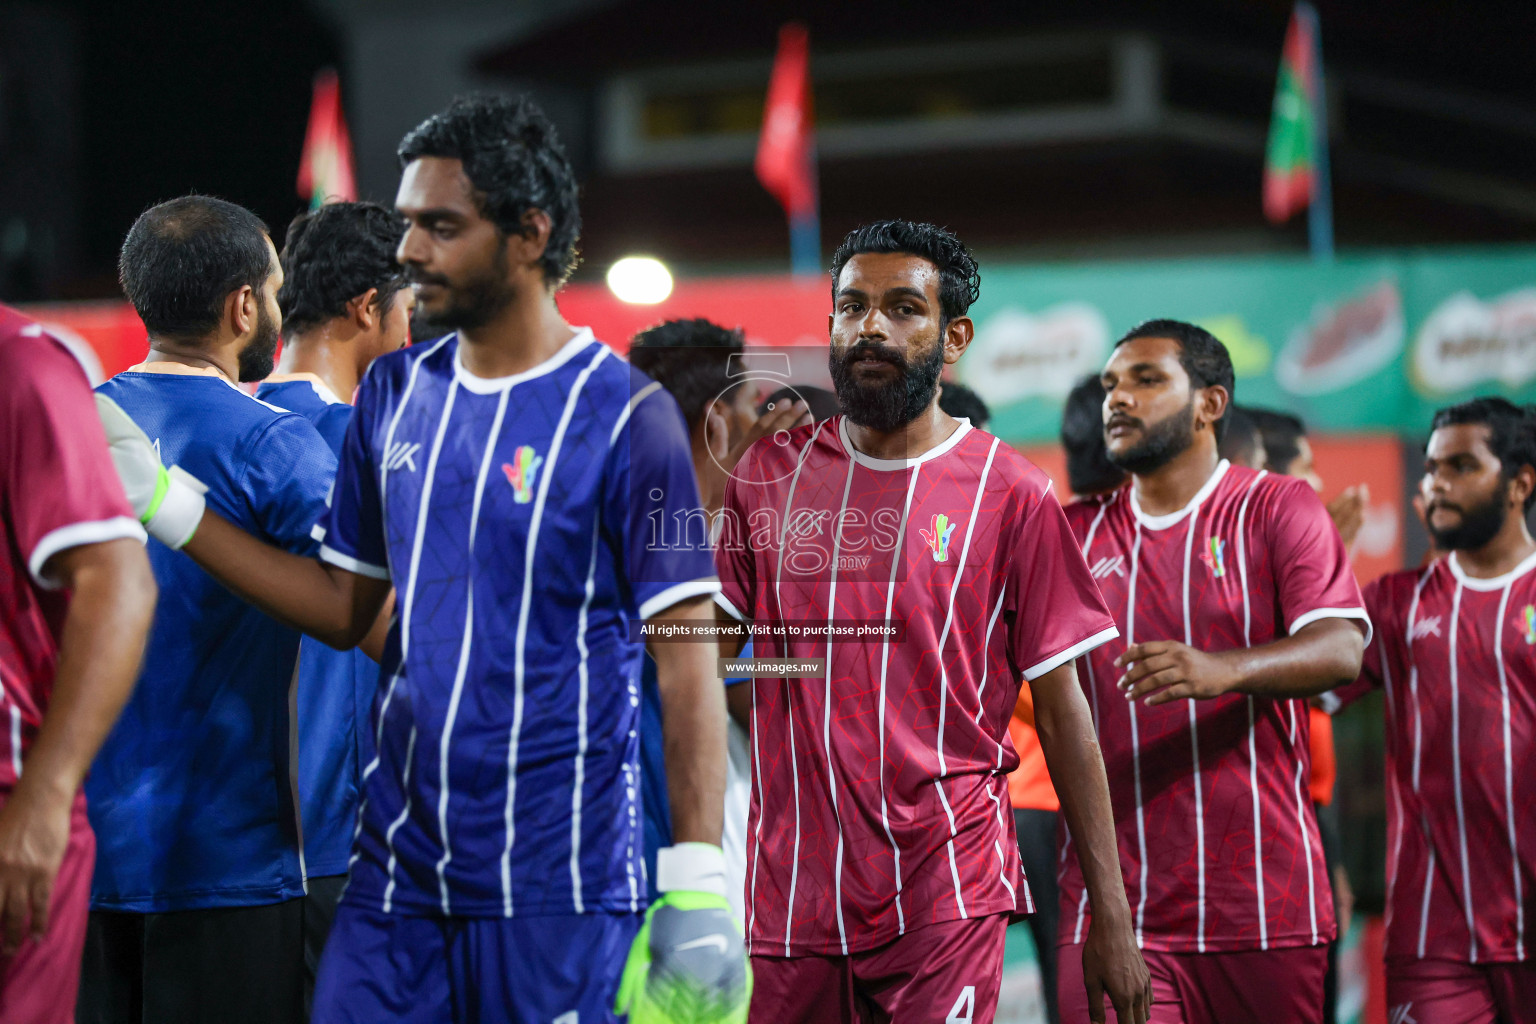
227,965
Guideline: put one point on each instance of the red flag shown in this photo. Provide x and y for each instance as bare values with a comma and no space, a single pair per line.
325,169
1290,159
786,150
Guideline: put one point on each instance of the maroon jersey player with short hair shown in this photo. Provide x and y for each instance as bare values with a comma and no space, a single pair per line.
1455,652
882,867
1235,602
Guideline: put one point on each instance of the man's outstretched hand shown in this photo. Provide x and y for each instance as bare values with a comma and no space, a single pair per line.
1113,967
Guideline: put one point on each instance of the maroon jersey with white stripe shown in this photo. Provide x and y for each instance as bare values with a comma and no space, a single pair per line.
1218,840
1456,656
57,490
879,785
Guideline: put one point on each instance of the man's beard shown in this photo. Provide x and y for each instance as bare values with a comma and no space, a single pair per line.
1479,524
473,304
886,406
257,358
1160,443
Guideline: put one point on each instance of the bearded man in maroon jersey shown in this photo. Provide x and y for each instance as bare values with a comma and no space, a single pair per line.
1235,602
924,568
1455,651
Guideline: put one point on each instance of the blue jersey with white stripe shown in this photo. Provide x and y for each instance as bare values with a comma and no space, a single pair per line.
191,796
520,520
335,688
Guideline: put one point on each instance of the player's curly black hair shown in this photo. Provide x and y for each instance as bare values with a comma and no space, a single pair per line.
1511,431
513,157
334,254
959,276
1205,359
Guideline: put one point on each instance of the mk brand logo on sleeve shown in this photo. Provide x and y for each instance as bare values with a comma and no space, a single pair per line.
521,472
937,539
1107,566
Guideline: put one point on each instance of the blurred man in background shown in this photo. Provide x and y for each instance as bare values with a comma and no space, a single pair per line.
75,608
344,302
1455,651
821,403
1199,706
692,360
963,403
1243,444
197,902
1089,469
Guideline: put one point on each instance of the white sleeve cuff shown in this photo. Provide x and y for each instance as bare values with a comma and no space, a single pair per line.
1335,613
691,867
676,593
1083,647
73,536
730,609
347,562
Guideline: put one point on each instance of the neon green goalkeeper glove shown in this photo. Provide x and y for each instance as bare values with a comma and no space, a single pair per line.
168,502
688,964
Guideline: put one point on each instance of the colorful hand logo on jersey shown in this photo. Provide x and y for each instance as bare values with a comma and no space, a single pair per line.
1529,623
938,539
521,472
1215,556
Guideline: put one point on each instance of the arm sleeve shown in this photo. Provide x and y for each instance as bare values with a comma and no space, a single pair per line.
1313,578
1372,667
653,500
353,529
58,489
288,475
1055,611
734,558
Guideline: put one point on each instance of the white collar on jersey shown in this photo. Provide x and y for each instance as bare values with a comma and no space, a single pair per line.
326,394
496,385
890,465
1163,522
1491,583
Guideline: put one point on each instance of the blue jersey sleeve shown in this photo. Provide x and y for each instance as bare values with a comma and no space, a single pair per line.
354,529
287,474
653,500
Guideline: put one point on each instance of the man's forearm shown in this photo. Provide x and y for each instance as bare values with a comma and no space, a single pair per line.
330,604
1321,656
693,730
112,603
1071,750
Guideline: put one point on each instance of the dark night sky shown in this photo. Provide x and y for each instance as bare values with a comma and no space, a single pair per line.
179,96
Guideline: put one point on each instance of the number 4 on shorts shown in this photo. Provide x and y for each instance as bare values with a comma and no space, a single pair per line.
965,1006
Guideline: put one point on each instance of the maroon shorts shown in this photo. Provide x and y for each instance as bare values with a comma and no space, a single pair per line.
946,973
38,985
1277,986
1425,991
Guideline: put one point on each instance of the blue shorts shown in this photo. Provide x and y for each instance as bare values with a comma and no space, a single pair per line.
429,970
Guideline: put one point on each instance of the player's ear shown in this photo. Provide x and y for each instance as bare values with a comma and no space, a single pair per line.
532,237
363,310
957,338
240,310
717,431
1214,401
1521,486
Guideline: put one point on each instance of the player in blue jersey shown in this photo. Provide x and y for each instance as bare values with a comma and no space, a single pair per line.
344,302
196,909
701,365
506,479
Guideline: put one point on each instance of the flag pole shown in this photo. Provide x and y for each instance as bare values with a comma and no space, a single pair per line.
1320,209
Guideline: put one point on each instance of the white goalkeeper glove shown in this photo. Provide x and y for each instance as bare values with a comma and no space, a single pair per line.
168,502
